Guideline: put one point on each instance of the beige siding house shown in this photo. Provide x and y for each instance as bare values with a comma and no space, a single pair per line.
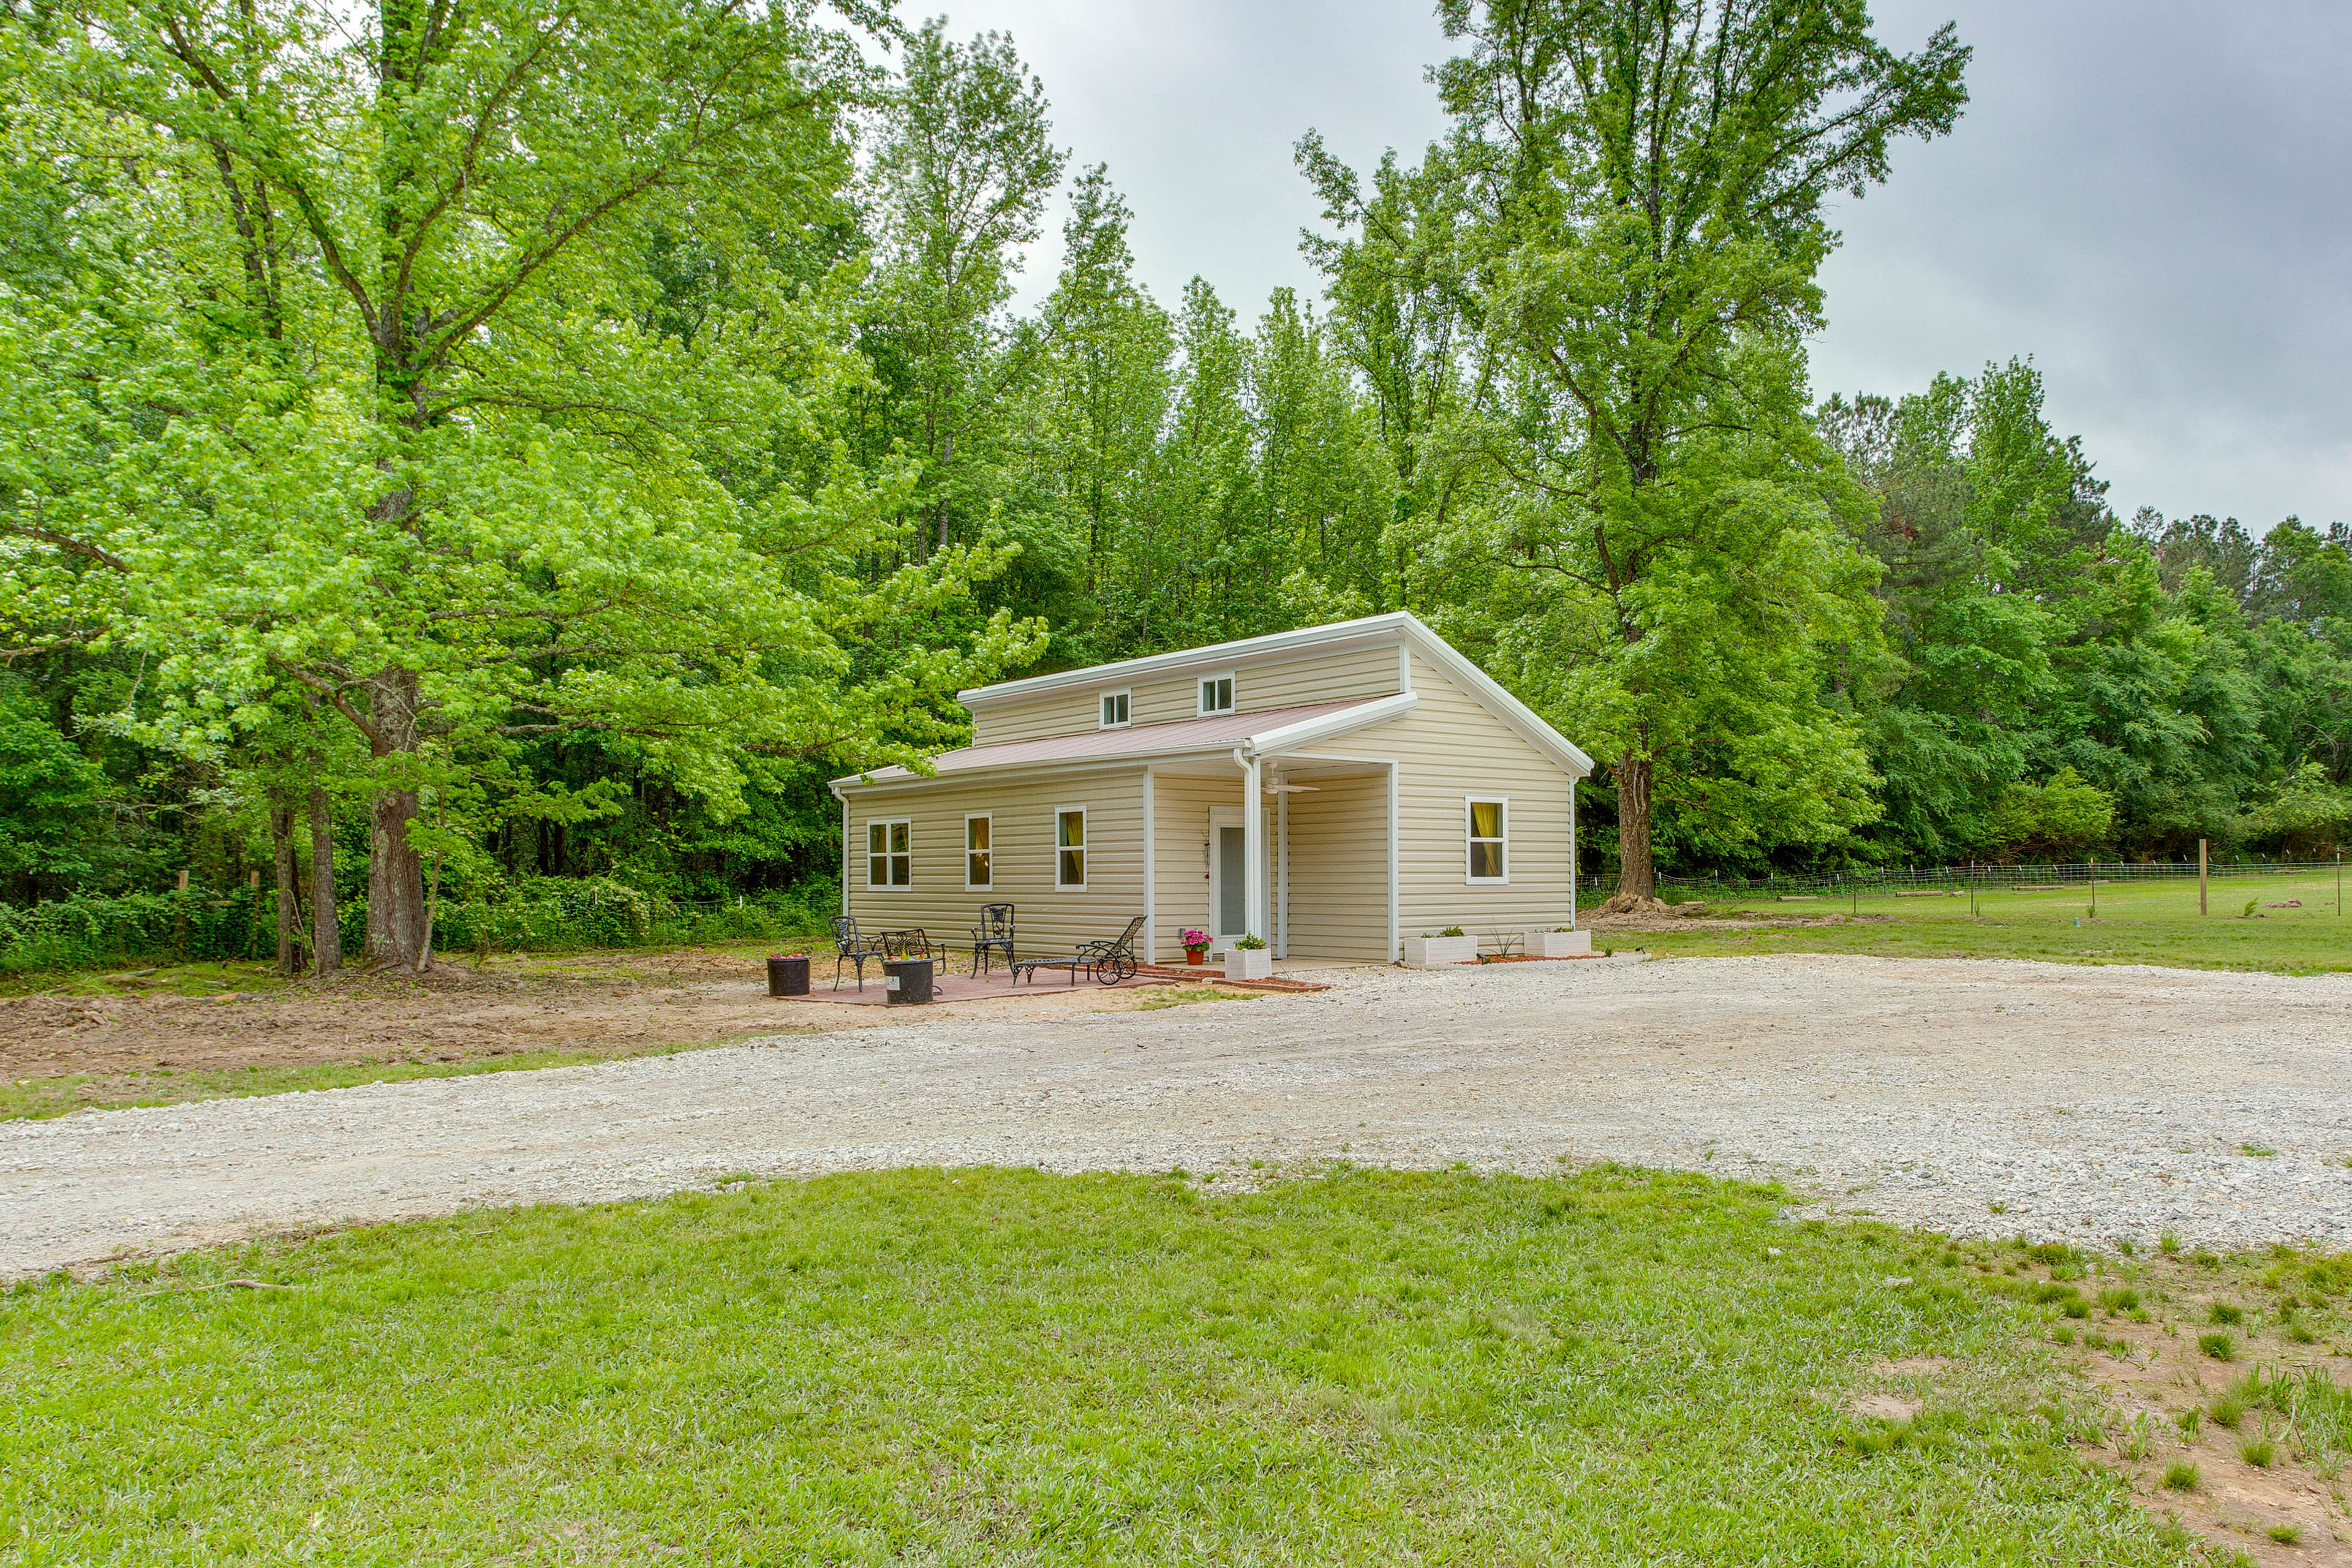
1336,790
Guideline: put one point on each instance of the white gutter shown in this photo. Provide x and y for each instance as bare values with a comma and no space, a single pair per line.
1326,726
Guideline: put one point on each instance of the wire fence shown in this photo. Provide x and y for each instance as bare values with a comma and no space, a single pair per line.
2025,877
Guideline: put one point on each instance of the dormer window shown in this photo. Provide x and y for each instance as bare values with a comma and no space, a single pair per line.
1114,710
1216,694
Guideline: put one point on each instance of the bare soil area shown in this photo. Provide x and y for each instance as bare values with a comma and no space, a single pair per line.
2257,1483
1703,917
598,1006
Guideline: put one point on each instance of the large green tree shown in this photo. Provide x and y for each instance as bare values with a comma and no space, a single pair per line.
367,389
1642,188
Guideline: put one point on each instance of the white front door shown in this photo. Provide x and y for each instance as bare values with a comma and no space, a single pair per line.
1228,879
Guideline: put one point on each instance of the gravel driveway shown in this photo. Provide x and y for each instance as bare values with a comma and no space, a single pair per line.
2087,1103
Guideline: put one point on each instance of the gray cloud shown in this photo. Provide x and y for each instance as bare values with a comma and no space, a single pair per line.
2148,198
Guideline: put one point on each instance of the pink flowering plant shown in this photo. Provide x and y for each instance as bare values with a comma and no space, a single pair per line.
1196,939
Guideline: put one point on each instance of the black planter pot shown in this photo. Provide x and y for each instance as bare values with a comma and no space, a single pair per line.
788,977
907,981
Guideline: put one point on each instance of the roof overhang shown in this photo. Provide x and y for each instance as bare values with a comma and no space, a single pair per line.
1264,743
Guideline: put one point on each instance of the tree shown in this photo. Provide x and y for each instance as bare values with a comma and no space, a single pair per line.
2059,819
368,394
961,176
1643,189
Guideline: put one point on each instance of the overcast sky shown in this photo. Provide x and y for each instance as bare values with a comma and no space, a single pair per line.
2148,198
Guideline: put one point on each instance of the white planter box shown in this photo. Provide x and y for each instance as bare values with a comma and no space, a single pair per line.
1437,952
1559,945
1249,962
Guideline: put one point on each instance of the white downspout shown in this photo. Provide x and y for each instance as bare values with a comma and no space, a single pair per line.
842,796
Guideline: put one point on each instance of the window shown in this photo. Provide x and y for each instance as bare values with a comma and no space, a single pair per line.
888,863
1114,710
977,831
1489,828
1216,694
1070,846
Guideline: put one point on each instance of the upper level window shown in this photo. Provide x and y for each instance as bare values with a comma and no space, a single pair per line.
1216,694
889,863
979,835
1114,710
1070,846
1489,828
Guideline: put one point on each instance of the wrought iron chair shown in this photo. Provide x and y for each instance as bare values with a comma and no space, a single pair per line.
992,934
913,942
849,947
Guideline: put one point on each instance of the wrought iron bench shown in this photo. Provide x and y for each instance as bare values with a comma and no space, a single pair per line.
1106,963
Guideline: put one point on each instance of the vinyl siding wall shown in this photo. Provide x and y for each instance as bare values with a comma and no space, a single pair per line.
1295,681
1180,806
1448,749
1339,868
1047,920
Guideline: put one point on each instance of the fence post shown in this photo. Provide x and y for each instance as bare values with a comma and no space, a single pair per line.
2204,868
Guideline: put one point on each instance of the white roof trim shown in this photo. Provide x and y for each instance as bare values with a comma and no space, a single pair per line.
1326,726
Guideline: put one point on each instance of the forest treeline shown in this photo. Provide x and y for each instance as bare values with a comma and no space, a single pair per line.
443,447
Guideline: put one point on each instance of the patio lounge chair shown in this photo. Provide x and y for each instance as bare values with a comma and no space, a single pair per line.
992,934
849,947
1106,963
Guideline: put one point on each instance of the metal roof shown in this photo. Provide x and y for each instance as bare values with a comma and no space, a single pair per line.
1396,627
1222,732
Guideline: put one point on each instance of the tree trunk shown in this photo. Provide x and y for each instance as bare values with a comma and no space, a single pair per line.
326,937
395,930
1637,875
289,902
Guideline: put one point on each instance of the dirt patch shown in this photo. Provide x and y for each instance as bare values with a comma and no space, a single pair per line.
1915,1366
601,1005
2262,1484
1700,917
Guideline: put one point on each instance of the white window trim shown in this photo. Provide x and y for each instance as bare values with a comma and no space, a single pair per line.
1204,711
1103,697
1085,845
1468,801
969,818
885,824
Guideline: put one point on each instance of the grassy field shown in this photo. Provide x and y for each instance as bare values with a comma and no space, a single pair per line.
2135,922
985,1367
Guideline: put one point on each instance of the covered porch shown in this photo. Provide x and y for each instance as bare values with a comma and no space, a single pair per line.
1296,849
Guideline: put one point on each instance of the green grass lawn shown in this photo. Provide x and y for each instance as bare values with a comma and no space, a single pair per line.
2136,923
993,1367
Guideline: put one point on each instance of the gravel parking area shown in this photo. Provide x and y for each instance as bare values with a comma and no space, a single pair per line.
2082,1103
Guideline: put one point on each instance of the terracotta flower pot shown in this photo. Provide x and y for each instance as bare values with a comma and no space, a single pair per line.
1196,955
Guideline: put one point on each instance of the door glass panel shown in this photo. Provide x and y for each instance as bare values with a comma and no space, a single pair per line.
1233,884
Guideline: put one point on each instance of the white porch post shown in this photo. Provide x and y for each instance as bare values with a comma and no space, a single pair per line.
1151,881
1252,850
